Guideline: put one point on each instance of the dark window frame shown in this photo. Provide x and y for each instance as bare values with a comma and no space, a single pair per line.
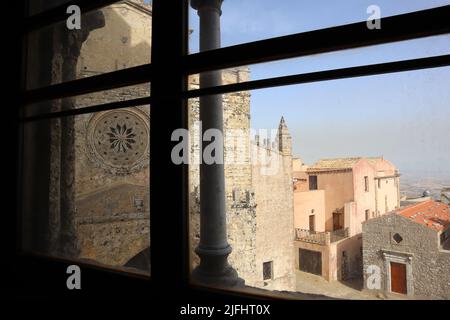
268,270
168,100
366,183
313,185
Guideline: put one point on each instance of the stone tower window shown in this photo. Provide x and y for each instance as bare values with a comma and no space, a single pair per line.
268,270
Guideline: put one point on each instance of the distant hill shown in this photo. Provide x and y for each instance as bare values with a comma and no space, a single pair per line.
413,184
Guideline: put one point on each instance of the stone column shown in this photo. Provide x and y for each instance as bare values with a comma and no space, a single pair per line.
71,43
213,248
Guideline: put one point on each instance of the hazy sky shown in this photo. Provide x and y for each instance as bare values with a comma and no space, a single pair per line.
403,116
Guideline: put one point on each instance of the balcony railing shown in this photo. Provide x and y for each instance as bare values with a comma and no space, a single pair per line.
310,236
338,235
320,237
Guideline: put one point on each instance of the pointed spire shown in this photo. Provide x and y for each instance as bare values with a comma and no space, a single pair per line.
284,138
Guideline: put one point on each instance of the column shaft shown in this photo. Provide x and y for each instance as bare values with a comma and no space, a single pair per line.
213,248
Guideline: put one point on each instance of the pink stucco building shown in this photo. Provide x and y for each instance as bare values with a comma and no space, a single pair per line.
328,214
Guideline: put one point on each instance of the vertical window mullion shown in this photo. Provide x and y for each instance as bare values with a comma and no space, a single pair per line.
168,182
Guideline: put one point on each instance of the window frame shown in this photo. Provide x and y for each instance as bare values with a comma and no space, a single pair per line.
169,99
270,269
313,182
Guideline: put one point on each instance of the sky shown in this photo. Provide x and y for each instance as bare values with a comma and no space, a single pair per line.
404,117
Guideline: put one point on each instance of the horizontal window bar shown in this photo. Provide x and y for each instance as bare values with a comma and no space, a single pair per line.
91,265
397,28
59,13
408,26
375,69
367,70
106,81
86,110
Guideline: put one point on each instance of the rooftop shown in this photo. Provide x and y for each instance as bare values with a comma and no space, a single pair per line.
339,163
432,214
300,175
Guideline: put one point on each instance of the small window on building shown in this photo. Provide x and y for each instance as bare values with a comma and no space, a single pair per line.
442,238
268,270
367,214
397,238
312,222
379,183
366,183
312,182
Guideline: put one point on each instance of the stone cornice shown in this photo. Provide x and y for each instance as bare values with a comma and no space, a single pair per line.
388,177
317,171
137,6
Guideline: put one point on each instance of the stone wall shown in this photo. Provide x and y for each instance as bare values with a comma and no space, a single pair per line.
430,266
112,184
124,42
274,219
348,263
112,202
259,206
240,205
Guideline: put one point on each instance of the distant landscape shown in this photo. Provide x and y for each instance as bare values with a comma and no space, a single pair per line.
414,183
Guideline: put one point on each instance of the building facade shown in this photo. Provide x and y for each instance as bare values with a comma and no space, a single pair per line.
409,249
329,210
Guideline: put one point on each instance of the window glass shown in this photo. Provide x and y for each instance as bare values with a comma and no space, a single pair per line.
251,20
332,130
111,38
39,6
88,100
385,53
86,185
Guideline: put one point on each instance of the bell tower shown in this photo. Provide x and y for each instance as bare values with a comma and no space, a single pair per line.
284,139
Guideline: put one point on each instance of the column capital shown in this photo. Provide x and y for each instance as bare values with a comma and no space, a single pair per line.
207,4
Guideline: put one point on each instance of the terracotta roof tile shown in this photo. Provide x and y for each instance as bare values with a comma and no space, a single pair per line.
432,214
339,163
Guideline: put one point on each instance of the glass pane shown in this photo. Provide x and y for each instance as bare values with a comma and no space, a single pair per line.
112,38
251,20
306,165
38,6
405,50
89,100
86,188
